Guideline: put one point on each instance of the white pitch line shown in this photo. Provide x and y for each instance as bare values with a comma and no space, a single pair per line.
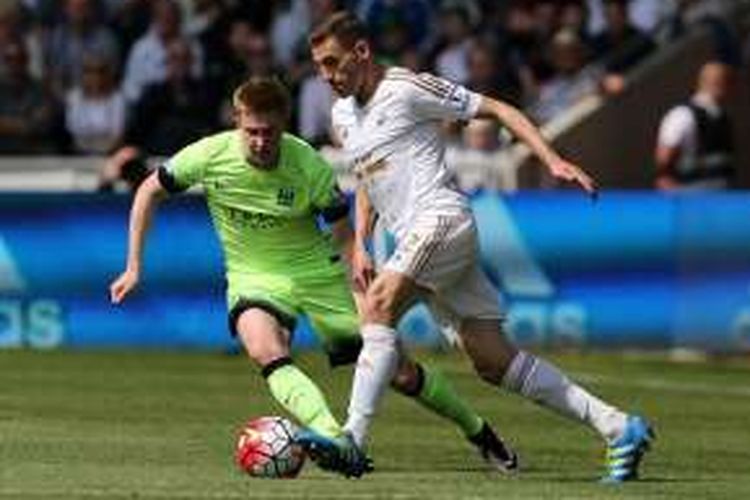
684,387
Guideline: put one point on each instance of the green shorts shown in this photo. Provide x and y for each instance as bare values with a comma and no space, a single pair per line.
324,296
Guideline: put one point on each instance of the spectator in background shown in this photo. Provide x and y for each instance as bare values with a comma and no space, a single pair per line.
290,23
411,58
13,25
648,16
235,67
95,111
250,54
299,66
260,55
477,155
46,12
574,16
392,40
620,46
27,112
547,19
572,80
178,111
482,134
451,59
314,118
416,14
258,12
78,35
147,63
695,147
489,75
129,20
209,25
525,47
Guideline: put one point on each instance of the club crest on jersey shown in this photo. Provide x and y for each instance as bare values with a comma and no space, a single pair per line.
285,197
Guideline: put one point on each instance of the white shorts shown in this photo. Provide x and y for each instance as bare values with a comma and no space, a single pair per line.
441,253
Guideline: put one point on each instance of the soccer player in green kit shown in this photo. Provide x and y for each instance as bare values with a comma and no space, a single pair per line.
265,190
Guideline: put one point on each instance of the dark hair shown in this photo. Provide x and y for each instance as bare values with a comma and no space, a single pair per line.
263,95
343,26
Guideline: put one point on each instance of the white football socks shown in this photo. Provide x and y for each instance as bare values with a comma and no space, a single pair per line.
375,368
542,382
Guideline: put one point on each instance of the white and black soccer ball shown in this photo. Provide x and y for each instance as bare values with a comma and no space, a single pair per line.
266,448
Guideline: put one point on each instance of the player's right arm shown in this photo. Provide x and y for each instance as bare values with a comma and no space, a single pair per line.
363,271
148,196
183,170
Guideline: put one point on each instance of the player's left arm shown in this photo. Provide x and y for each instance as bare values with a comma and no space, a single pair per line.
343,237
527,132
329,202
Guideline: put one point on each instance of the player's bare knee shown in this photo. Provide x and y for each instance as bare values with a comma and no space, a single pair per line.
489,370
379,307
407,378
262,336
263,353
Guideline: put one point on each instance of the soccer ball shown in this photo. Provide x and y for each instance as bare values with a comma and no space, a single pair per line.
265,448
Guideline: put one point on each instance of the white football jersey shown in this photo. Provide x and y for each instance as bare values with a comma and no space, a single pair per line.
394,146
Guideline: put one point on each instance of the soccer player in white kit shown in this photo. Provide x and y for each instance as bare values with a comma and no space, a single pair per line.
388,121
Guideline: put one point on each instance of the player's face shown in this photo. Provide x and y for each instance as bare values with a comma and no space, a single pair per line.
261,135
341,68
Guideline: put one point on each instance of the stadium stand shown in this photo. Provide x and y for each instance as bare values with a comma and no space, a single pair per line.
582,67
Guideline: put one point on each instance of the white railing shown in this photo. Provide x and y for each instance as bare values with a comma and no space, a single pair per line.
49,173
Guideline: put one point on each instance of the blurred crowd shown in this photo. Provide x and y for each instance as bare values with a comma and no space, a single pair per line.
93,76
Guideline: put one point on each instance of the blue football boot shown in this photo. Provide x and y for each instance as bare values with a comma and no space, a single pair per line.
624,453
340,454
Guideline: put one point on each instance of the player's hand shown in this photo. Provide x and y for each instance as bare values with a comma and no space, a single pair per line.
363,271
570,172
122,286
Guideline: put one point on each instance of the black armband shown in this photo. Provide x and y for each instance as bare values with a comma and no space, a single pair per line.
168,181
337,210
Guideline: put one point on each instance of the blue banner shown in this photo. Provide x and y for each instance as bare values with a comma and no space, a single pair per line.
634,269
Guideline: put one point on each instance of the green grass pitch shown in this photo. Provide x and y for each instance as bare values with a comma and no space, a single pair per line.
137,426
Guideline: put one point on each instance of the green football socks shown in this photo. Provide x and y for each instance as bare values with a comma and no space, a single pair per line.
301,397
438,395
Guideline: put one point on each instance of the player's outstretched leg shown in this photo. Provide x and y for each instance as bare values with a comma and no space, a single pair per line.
267,343
434,392
339,454
499,363
299,395
376,365
323,438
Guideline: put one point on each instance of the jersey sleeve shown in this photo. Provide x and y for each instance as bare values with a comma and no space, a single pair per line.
325,196
436,98
186,168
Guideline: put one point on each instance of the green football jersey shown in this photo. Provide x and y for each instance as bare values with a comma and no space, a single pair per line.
265,219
